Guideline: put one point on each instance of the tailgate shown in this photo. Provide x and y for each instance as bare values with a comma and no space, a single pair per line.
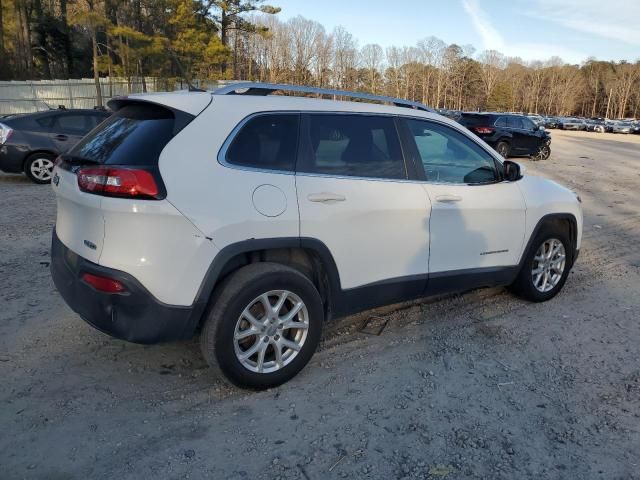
79,221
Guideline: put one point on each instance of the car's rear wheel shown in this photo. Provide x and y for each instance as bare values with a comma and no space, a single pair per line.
546,266
39,167
263,325
503,149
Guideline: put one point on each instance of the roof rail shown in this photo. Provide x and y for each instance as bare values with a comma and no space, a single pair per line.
263,89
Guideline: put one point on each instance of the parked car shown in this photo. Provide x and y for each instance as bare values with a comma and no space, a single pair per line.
29,143
595,126
573,124
622,127
551,122
283,216
636,127
509,134
537,119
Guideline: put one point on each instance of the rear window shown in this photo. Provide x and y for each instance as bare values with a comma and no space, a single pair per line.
472,120
134,135
515,122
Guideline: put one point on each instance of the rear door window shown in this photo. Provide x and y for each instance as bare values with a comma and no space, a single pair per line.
514,122
134,135
352,145
72,124
267,142
501,122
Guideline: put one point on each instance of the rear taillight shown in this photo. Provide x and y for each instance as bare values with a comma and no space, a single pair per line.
484,130
118,182
103,284
5,133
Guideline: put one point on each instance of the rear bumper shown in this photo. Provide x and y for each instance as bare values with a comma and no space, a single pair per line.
135,316
11,159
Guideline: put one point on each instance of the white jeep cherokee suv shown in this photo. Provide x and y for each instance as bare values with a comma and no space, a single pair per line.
251,219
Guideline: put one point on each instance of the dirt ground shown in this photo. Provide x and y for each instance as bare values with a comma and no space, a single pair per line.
480,385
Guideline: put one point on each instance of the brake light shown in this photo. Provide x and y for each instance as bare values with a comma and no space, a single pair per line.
118,182
103,284
5,133
484,130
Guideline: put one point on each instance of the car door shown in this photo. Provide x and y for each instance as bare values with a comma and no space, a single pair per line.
532,137
68,129
477,220
355,196
518,140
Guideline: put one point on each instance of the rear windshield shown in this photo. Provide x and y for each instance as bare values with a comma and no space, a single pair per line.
476,119
134,135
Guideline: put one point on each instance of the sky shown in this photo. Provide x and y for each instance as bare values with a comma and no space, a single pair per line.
573,30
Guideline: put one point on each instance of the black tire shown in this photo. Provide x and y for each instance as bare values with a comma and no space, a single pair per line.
523,286
29,170
503,149
229,301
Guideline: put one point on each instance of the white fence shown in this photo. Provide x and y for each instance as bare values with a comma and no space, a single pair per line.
32,96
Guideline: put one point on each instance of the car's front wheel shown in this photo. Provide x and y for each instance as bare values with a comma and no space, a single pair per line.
503,149
263,325
39,167
546,266
543,154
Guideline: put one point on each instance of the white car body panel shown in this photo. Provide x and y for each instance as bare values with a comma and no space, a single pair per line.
160,247
545,197
79,216
379,231
475,226
219,199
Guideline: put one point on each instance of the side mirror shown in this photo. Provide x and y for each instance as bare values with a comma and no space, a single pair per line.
512,171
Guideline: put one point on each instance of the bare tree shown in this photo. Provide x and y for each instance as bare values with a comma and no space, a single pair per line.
372,57
345,58
493,63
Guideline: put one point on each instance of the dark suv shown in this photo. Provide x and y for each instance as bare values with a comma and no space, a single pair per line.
509,134
30,143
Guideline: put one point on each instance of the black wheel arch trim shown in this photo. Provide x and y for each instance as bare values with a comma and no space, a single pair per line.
216,270
573,234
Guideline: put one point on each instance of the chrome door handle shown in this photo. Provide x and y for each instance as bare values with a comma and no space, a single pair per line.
326,197
448,198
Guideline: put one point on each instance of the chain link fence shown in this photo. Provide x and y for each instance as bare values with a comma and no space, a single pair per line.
33,96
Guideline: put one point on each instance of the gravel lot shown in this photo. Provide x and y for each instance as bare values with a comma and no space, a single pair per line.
480,385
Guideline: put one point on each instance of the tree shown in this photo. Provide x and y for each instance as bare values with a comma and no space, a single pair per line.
88,17
492,63
371,57
229,18
5,71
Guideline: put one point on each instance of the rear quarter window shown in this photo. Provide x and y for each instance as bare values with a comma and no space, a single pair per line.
134,135
268,142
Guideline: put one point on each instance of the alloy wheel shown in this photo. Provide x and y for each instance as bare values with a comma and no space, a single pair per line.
503,150
543,153
271,331
548,265
41,169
